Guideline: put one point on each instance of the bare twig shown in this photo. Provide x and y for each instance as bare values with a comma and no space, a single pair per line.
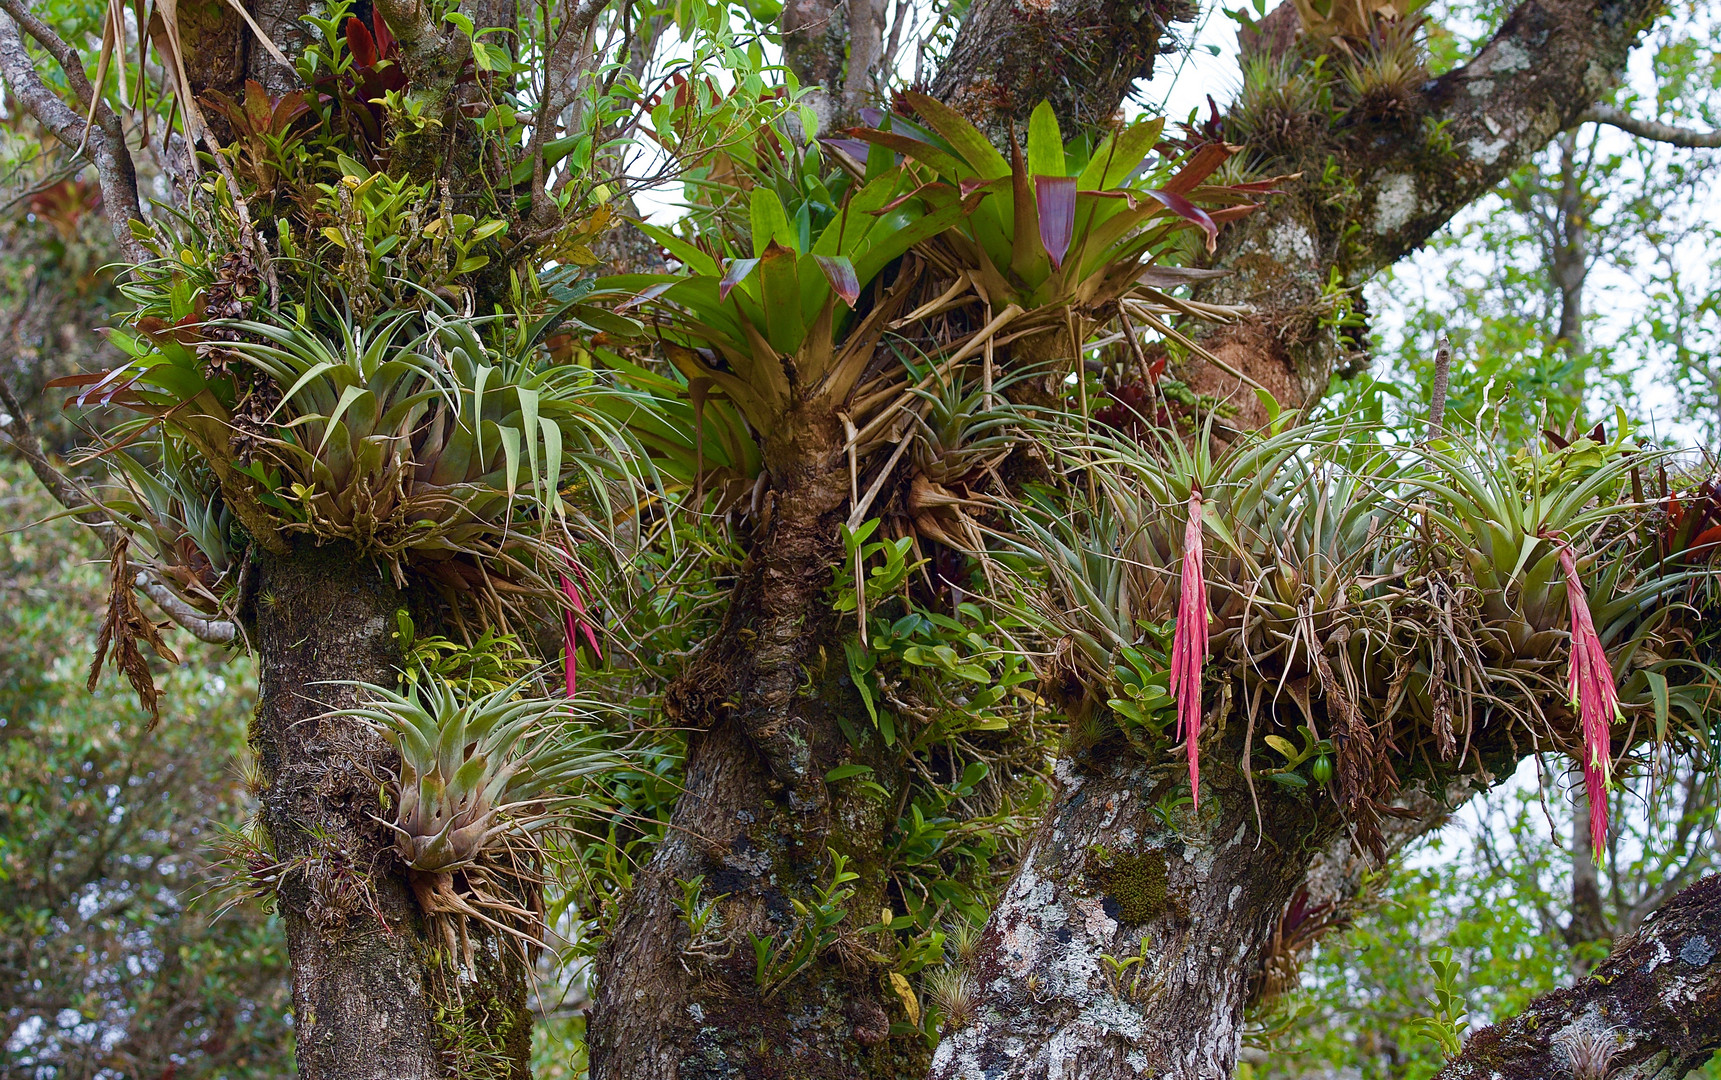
557,94
29,447
69,494
1654,130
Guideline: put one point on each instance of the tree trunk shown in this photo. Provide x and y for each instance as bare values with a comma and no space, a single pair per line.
755,826
1128,941
1083,56
372,998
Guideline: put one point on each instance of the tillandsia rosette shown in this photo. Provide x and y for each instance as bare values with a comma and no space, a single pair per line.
1363,595
481,773
1067,228
437,442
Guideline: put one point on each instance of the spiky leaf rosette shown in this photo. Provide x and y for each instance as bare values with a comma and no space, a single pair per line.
1373,594
476,773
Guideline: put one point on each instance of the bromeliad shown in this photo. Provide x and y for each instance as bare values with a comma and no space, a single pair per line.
1591,687
1189,645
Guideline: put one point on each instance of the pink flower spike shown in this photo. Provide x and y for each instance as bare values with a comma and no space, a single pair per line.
1189,644
575,626
1593,694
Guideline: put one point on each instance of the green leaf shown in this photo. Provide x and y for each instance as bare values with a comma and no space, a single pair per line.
1045,142
843,772
770,223
1658,690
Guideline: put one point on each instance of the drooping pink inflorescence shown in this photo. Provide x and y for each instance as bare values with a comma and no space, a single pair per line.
1189,644
575,625
1593,694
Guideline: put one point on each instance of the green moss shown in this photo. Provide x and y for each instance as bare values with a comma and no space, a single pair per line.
1135,883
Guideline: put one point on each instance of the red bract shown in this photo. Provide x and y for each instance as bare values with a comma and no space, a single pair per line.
574,626
1590,684
1189,644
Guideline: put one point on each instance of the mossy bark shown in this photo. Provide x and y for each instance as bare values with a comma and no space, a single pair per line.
757,822
372,997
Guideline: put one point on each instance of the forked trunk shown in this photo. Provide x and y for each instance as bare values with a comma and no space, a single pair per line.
755,827
372,996
1126,945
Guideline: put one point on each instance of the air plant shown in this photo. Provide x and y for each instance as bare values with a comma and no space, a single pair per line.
1369,593
955,994
479,773
1189,647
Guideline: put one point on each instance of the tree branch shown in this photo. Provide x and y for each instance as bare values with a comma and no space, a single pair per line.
1652,1009
68,494
1655,130
29,447
105,139
558,95
203,627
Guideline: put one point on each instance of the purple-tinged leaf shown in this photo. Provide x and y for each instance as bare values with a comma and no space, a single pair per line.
1188,211
738,270
646,295
840,272
974,183
1055,201
872,117
854,148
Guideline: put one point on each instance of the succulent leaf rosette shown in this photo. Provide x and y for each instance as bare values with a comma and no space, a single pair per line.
479,773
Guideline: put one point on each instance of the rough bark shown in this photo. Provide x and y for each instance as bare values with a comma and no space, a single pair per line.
1083,56
370,999
836,50
1651,1010
1113,875
756,822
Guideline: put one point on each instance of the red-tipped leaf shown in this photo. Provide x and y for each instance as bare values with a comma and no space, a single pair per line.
1188,211
1189,644
1200,165
840,272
